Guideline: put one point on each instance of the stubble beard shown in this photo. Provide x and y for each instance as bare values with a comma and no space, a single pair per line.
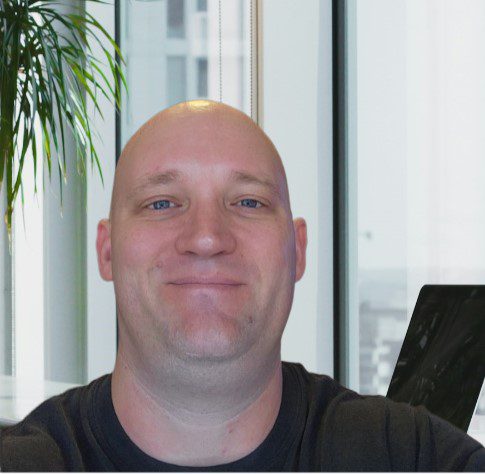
208,335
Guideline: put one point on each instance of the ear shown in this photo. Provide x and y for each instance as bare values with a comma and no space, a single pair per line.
103,248
300,244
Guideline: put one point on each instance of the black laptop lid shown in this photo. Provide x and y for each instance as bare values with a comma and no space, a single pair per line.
442,360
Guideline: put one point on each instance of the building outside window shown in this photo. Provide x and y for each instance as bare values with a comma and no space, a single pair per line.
176,78
176,18
202,87
173,53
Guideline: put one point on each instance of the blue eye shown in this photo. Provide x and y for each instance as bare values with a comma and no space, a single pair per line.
251,203
162,204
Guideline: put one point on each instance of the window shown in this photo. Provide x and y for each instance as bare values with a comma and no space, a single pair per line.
176,79
51,335
43,277
202,77
5,297
415,168
176,18
183,67
201,5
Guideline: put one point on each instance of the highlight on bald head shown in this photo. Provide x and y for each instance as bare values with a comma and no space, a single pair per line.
192,114
203,124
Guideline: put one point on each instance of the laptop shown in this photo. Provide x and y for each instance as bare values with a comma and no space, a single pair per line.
442,360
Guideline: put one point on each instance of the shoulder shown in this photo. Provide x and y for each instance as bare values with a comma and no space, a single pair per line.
406,437
412,437
27,447
317,388
45,438
359,432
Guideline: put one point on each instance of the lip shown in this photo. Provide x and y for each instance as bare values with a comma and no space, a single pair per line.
203,281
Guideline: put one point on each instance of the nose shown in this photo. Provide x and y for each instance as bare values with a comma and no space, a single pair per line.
206,232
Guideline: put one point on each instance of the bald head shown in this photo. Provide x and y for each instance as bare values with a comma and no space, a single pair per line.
201,244
202,125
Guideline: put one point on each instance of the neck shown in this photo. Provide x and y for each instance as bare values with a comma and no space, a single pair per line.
202,417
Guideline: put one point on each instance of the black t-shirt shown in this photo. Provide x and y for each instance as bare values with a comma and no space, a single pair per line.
321,426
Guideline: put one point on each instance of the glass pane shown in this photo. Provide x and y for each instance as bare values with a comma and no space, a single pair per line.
202,77
176,79
6,352
176,18
163,68
416,145
23,313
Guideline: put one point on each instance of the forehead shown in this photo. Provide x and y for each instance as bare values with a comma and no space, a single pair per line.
231,178
199,146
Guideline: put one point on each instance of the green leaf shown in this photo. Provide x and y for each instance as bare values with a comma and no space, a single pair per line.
57,72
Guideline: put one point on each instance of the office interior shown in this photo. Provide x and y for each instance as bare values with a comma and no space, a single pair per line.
376,108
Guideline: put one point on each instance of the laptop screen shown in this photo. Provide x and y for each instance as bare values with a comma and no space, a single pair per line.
442,360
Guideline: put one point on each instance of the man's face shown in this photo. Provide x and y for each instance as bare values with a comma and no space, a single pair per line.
201,246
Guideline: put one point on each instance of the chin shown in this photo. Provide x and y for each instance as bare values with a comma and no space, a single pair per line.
211,343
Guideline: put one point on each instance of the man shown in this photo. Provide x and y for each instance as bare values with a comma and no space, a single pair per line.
204,256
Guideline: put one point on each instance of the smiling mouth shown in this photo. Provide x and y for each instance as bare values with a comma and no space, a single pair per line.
202,280
195,285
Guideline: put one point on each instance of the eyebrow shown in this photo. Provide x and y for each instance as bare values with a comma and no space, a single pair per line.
164,178
170,176
243,177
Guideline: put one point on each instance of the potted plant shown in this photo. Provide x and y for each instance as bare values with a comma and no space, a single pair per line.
45,78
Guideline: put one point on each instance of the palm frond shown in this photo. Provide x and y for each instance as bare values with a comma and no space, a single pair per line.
46,77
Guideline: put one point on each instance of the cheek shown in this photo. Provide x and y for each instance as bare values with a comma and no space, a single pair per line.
136,247
277,253
280,264
136,251
274,255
